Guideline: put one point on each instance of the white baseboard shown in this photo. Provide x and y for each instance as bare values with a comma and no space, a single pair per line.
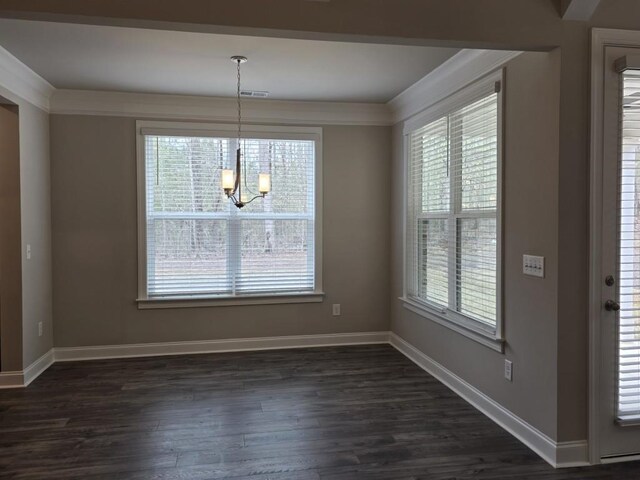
572,454
11,379
66,354
558,455
23,378
34,370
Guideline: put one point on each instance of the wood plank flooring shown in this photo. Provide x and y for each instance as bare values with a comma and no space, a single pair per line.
361,412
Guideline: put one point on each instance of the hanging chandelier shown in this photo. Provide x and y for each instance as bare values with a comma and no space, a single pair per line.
232,182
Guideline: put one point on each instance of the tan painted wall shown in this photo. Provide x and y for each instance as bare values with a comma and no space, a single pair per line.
511,24
95,257
30,181
530,226
10,269
35,190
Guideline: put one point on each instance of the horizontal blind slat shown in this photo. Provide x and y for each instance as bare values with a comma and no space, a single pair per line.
199,243
628,348
452,169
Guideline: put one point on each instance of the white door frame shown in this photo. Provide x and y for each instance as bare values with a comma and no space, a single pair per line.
601,38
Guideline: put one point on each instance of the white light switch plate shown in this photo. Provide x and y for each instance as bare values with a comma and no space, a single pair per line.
533,265
508,370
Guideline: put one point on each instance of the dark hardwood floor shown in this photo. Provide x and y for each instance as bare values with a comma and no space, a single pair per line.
326,413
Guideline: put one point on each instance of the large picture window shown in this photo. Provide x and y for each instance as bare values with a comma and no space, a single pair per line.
197,243
453,209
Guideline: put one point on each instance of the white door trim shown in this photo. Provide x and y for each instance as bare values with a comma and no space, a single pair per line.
601,38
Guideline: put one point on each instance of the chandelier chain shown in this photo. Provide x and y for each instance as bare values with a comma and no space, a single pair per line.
239,107
238,178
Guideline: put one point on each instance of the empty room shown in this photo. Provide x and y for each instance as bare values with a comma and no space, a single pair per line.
319,239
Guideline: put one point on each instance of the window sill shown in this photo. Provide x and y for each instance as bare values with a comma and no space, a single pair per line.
485,338
228,301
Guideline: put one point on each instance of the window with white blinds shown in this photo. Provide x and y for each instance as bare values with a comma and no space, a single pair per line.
628,404
199,244
453,210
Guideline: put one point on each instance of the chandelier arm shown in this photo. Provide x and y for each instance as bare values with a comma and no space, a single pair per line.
262,195
238,203
236,185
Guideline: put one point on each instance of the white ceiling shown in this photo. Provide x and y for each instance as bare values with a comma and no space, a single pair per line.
88,57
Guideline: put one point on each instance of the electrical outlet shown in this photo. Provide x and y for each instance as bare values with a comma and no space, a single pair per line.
28,251
508,370
533,265
336,309
39,329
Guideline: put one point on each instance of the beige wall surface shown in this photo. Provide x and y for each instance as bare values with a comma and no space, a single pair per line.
27,186
10,271
35,190
95,250
510,24
531,101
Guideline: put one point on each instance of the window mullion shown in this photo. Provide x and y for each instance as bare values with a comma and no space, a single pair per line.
454,201
149,209
233,230
416,281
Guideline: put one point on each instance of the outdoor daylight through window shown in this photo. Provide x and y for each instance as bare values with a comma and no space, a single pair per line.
199,244
453,211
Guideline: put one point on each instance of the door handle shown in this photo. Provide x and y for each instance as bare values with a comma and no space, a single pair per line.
611,306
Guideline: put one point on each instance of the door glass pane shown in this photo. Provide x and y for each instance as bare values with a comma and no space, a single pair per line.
628,398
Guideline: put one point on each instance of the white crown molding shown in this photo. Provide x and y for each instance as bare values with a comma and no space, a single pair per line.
460,70
557,454
18,80
184,107
463,68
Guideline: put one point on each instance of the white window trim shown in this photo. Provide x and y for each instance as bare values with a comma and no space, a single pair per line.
456,321
145,127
